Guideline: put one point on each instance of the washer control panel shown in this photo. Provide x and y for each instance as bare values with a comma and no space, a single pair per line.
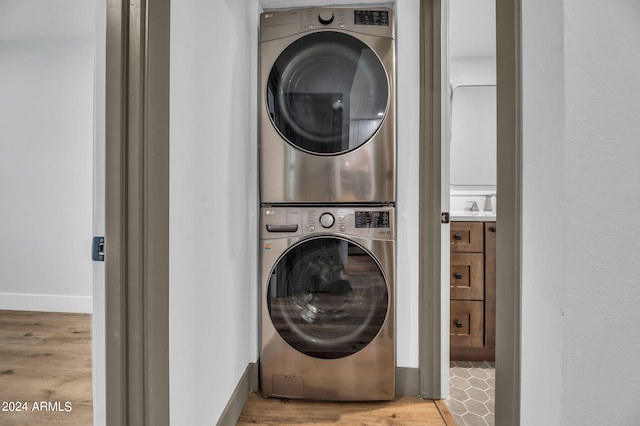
367,222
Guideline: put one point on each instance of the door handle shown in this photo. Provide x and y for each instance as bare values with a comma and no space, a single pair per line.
282,228
458,276
97,249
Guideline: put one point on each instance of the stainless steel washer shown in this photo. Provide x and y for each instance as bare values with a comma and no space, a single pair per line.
327,106
327,299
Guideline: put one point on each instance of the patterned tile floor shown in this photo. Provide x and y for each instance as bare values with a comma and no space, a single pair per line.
472,392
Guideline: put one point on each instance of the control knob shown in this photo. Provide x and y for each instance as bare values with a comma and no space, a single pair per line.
327,220
325,18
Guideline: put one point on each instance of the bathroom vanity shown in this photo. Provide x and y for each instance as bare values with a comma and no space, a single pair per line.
473,202
473,289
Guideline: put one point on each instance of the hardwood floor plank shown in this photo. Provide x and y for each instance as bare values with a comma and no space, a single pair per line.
45,369
401,411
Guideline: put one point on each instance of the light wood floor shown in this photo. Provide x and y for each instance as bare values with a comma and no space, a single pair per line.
45,359
403,411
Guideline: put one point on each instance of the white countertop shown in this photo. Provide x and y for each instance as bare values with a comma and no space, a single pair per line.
468,216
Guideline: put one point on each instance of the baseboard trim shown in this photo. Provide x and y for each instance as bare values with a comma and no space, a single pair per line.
248,383
407,381
46,303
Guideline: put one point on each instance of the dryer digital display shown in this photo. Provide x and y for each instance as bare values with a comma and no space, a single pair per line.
371,17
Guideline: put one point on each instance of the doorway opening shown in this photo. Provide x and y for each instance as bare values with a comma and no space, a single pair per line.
51,306
435,266
470,142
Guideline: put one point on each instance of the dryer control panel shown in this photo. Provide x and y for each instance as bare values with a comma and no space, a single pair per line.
275,24
367,222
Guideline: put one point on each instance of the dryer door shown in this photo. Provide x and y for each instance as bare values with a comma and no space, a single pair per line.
327,93
327,297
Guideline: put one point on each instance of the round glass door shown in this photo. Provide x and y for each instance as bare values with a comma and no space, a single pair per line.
327,297
327,93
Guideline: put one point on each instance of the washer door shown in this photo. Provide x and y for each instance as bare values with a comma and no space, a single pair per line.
327,297
327,93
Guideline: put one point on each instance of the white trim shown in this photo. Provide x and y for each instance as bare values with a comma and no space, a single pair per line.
46,303
98,331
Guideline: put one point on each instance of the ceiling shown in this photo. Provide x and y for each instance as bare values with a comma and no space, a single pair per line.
46,19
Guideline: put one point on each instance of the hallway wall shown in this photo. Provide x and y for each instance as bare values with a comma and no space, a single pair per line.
580,232
213,207
46,168
602,196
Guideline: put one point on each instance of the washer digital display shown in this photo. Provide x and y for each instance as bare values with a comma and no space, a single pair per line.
372,219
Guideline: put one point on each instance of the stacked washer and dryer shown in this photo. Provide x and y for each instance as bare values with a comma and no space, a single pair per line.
327,141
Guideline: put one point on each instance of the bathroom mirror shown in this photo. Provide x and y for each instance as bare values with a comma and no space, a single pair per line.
473,137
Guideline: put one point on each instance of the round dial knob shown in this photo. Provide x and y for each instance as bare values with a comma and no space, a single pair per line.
327,220
325,18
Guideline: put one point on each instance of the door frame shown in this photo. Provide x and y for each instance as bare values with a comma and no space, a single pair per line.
433,330
433,356
137,212
509,204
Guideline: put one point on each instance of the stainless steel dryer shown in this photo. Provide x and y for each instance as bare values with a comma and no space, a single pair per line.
327,297
327,106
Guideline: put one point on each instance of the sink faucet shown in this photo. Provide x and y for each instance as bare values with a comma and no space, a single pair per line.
474,207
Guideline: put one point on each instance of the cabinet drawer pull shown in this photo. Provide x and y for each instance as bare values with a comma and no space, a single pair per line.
458,237
458,324
492,228
458,276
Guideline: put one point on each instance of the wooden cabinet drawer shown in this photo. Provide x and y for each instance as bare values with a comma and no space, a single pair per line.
467,276
467,237
467,324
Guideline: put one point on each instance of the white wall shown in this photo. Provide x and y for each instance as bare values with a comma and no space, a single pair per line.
46,172
98,318
408,101
602,166
213,210
543,218
581,180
